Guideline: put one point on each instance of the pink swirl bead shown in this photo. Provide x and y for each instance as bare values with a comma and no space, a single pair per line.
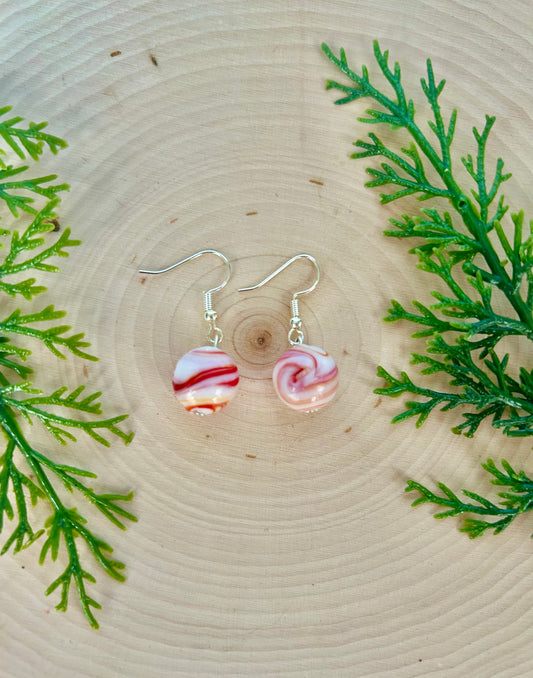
305,377
205,380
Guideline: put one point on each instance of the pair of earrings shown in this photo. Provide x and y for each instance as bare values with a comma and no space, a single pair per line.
205,379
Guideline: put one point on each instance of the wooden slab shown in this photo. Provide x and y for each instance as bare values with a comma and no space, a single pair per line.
269,543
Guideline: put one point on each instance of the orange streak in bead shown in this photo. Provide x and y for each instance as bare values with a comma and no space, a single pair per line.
205,406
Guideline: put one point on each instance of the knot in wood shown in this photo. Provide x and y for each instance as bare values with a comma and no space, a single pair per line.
259,339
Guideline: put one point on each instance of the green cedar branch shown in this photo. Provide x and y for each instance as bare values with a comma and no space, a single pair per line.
59,425
64,523
15,201
27,141
30,240
63,412
52,338
401,114
458,248
515,500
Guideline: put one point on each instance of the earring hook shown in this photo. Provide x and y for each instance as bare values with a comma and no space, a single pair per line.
296,335
194,256
215,333
282,268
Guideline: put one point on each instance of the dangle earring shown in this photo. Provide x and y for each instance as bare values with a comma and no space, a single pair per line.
305,377
206,378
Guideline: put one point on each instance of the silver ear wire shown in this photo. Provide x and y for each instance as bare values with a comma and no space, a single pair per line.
214,334
296,335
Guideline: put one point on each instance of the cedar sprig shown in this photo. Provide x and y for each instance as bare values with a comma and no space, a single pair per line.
53,337
26,252
33,408
454,247
29,140
485,297
515,500
27,474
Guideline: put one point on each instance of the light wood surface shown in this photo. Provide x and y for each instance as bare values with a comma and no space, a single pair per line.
269,543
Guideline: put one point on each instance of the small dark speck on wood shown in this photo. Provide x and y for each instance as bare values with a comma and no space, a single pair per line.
249,214
85,372
117,52
153,59
316,181
251,456
347,430
143,280
378,402
173,221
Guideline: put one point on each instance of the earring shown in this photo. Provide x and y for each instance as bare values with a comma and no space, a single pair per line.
305,377
206,378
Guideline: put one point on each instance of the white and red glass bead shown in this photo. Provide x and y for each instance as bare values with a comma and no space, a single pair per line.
305,377
205,380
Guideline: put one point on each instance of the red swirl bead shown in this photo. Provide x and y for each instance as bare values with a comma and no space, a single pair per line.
305,377
205,380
